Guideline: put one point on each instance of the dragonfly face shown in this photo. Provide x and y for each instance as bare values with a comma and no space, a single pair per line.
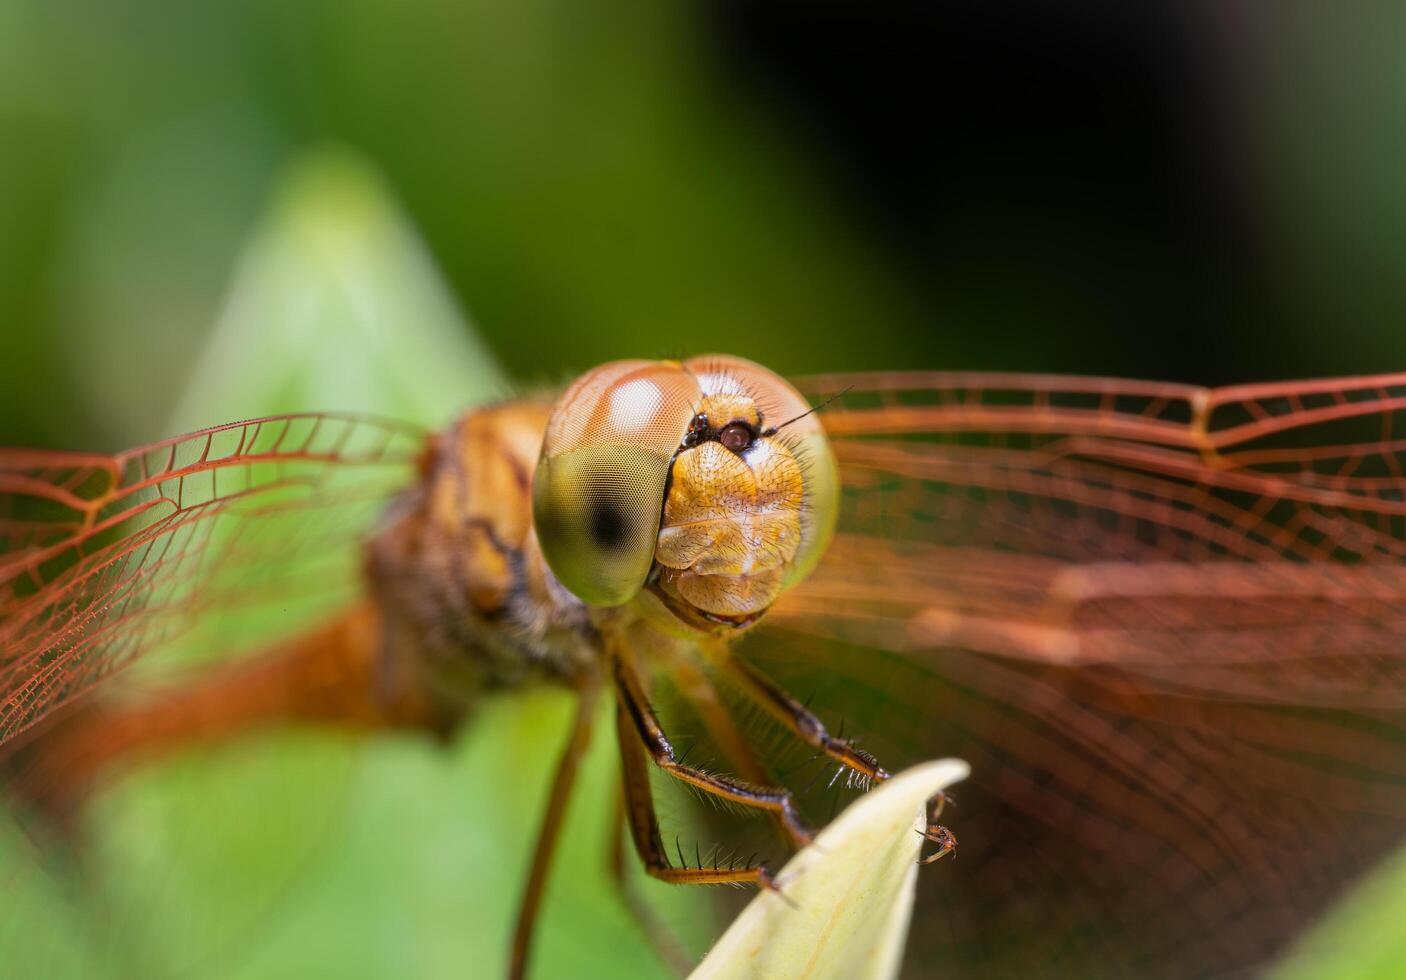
679,476
1163,623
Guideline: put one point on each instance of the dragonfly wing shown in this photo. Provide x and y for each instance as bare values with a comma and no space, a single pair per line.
1164,624
118,575
106,559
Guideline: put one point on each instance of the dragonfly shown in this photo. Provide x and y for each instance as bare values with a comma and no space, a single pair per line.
1163,623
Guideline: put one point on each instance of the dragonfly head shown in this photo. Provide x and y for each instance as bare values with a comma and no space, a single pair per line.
707,484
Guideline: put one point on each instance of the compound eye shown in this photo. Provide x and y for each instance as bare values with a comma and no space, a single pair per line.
597,515
598,492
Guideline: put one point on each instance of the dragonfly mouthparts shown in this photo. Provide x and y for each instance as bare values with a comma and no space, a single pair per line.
700,619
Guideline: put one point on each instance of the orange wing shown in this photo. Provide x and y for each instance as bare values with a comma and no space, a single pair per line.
1166,625
105,559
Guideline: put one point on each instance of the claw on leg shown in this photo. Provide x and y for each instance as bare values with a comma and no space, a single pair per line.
945,840
768,882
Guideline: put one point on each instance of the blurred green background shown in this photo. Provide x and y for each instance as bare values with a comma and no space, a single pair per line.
1184,192
216,210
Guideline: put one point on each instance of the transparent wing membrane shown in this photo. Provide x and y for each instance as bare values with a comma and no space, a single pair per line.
106,558
1164,624
118,575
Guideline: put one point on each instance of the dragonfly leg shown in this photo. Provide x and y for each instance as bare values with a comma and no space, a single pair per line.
641,733
547,835
702,696
799,719
662,939
644,823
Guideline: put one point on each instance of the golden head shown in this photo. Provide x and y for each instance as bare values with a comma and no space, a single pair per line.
708,485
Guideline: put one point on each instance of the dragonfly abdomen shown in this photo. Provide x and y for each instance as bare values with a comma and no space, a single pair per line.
326,677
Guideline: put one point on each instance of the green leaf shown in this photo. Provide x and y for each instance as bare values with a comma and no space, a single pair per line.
336,305
847,898
1361,939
